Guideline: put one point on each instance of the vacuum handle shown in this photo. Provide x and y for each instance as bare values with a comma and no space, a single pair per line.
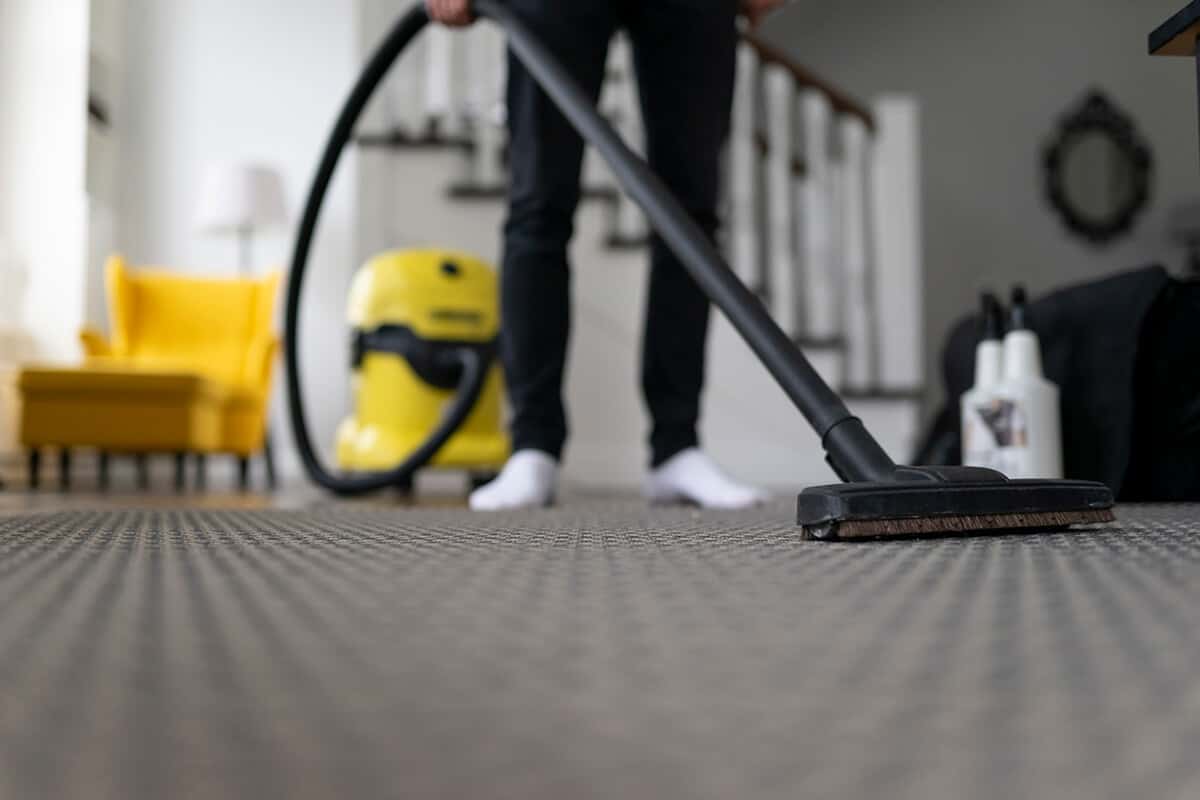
852,450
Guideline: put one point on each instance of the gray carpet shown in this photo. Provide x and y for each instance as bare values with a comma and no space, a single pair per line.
604,651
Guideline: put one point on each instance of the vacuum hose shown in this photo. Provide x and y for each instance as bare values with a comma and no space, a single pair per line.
852,451
474,366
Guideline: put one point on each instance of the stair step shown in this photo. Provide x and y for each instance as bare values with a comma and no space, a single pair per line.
475,192
617,242
471,192
398,139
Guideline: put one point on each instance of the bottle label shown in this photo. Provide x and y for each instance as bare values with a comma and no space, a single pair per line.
996,435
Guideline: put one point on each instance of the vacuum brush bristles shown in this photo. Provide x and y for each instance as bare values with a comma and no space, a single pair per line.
949,501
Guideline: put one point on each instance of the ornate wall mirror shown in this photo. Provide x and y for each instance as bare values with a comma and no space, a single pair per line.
1098,170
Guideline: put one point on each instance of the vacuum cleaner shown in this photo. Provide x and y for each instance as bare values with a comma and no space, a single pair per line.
410,311
878,499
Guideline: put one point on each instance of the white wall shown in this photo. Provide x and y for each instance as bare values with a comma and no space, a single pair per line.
242,79
992,79
43,210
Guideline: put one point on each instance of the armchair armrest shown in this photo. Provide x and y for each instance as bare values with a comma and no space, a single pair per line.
94,343
260,362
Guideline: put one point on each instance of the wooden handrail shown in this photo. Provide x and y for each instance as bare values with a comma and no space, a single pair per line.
841,102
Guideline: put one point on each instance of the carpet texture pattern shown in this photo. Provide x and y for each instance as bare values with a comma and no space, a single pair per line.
606,650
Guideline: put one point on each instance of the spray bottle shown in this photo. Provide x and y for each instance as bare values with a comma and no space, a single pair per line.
1027,420
980,448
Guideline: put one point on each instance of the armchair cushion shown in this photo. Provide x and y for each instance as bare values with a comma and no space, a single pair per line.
117,410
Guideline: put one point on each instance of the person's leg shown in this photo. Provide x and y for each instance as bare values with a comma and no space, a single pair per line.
545,158
685,53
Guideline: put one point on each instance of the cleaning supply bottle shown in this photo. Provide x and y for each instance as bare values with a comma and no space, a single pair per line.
1027,419
978,439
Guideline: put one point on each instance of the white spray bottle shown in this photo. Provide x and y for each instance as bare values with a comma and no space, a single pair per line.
1030,423
979,442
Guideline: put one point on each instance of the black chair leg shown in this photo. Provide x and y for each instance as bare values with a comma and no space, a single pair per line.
102,470
35,468
64,469
269,462
143,471
201,471
243,473
180,471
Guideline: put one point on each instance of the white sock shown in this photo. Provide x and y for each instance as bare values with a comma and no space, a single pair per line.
692,477
528,480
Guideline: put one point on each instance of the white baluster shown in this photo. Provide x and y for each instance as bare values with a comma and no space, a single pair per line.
861,339
487,67
376,188
442,101
744,171
595,174
817,219
404,92
897,242
781,240
835,202
629,223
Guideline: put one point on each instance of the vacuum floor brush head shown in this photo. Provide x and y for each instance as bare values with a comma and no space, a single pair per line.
948,507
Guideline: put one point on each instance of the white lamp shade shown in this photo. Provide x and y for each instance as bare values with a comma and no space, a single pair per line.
238,197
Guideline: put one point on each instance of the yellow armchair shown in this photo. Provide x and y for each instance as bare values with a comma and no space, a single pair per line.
187,368
218,328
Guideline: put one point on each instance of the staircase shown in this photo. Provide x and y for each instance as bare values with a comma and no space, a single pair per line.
822,221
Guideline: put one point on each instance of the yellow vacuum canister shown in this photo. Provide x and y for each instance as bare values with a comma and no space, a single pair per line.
408,309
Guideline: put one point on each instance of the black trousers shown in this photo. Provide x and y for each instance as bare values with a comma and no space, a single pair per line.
685,57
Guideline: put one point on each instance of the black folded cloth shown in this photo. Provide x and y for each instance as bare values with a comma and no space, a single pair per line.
1125,354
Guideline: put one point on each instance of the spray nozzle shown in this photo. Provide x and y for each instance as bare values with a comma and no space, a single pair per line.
1018,318
992,316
